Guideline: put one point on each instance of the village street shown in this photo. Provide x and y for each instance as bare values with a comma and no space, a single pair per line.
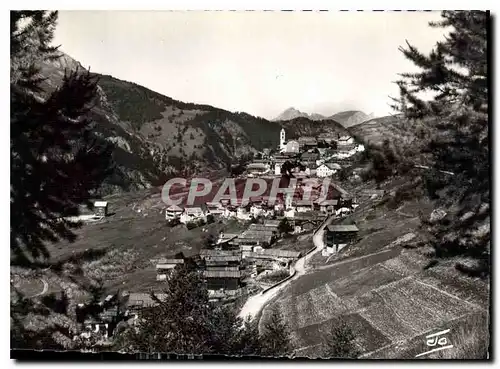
256,303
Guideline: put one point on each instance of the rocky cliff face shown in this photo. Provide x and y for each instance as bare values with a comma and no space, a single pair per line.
157,137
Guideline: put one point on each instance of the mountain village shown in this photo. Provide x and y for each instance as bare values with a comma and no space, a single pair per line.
235,265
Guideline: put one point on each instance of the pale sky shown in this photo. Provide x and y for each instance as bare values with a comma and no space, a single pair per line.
257,62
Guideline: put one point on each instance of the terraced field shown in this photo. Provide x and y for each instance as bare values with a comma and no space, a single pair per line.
383,306
384,291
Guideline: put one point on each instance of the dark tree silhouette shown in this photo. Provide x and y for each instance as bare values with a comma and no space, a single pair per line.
456,73
56,161
56,165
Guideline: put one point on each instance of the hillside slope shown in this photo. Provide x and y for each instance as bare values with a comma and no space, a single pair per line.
391,127
351,118
157,137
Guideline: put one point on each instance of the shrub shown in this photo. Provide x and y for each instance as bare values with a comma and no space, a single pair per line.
191,225
173,222
340,342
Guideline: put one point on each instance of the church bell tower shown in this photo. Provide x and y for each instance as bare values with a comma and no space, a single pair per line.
282,140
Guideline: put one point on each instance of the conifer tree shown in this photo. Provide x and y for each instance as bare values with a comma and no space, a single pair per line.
56,161
276,336
339,342
56,164
455,76
185,322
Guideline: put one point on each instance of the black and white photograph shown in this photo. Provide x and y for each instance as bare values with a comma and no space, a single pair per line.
250,185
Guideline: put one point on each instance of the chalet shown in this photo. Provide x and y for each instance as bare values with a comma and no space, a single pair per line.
256,210
307,142
289,213
292,147
309,157
221,279
243,214
256,238
192,214
345,141
101,209
173,212
215,208
166,266
326,138
265,228
230,212
327,169
338,236
328,206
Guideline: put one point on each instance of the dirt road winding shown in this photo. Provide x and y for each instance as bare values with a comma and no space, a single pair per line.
255,303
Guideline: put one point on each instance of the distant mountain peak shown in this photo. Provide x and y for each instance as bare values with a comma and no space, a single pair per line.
292,113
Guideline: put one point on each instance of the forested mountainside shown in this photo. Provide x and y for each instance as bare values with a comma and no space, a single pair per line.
157,137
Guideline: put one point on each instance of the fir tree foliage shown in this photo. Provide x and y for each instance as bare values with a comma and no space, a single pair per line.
186,322
56,161
455,76
56,165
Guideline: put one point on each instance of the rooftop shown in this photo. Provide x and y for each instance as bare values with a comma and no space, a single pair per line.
144,299
100,204
272,223
342,228
221,268
263,227
222,274
280,253
307,140
170,261
221,259
274,253
193,210
174,208
344,138
211,253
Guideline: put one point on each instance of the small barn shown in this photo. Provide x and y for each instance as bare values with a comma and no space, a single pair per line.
101,208
339,235
222,279
166,266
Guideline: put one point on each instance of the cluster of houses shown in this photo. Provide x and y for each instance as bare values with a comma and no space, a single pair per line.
237,256
312,156
290,206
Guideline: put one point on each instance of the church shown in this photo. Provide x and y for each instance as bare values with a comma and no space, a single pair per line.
290,146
